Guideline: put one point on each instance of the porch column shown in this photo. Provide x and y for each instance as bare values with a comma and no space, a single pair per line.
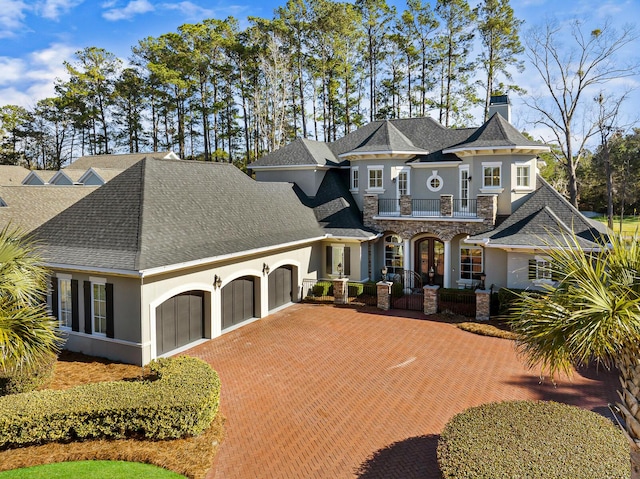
447,264
407,255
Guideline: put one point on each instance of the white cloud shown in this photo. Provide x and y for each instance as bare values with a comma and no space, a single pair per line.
52,9
133,8
12,14
189,10
13,70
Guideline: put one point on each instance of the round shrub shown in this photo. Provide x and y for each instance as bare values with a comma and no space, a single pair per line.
530,439
15,381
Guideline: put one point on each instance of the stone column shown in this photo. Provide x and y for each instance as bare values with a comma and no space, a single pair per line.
483,304
447,264
405,205
370,209
340,291
431,299
383,288
446,205
487,208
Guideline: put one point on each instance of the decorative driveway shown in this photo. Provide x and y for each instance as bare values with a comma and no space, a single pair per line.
316,391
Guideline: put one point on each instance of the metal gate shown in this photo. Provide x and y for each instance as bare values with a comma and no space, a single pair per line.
406,291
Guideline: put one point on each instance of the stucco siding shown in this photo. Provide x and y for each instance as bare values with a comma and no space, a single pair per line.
308,180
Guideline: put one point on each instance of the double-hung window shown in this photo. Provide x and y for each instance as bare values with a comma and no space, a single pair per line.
403,182
523,179
99,307
65,303
375,177
491,175
471,263
541,270
338,260
355,178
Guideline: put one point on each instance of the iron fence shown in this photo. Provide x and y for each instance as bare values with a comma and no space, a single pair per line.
388,207
457,301
321,291
465,208
429,207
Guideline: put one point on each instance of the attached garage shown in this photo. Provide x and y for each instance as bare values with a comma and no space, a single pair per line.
280,287
179,321
238,301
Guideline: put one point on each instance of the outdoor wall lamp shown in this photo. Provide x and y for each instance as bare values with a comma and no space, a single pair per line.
483,278
265,269
432,273
217,281
340,270
384,272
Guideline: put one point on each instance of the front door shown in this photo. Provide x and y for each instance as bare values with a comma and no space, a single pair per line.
430,254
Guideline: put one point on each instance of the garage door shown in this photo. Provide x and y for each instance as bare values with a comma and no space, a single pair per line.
179,321
238,302
280,287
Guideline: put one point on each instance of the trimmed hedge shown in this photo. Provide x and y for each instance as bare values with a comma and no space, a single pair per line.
182,400
532,439
25,380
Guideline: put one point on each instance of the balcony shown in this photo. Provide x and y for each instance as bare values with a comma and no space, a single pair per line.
444,207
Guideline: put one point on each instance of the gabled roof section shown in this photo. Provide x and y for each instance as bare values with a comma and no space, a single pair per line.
335,208
12,174
299,153
543,218
39,177
496,134
28,207
120,161
166,213
98,176
385,140
67,177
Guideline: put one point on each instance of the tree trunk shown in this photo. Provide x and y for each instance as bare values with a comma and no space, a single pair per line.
629,405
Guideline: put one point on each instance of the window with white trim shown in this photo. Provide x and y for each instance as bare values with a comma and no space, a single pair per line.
355,178
491,175
471,262
99,308
375,177
393,254
65,305
541,269
434,182
403,182
523,176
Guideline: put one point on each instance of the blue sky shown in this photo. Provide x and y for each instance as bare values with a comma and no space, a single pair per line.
36,36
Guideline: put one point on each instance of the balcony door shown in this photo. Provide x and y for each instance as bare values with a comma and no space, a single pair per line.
465,184
430,254
402,185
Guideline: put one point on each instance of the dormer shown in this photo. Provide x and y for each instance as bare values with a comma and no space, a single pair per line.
91,178
38,177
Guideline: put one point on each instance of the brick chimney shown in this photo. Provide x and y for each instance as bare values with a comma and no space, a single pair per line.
500,104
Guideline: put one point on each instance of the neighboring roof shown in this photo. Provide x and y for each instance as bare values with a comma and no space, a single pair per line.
301,152
30,206
12,175
40,177
66,176
495,133
160,213
386,139
335,208
543,218
105,174
120,162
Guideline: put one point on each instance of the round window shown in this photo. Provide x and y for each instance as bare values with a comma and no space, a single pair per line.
434,182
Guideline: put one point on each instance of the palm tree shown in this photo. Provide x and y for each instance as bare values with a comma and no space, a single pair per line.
591,314
28,335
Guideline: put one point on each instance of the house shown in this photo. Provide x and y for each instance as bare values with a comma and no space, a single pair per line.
152,254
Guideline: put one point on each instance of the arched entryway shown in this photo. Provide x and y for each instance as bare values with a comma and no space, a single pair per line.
429,253
179,321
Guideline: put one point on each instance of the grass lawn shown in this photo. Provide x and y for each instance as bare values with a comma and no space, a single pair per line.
629,223
190,456
91,470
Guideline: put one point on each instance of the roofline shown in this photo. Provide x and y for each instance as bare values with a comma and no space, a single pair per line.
542,148
190,264
383,152
290,167
93,269
436,164
355,238
487,244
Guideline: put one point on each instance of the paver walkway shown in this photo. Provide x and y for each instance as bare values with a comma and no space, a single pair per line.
316,391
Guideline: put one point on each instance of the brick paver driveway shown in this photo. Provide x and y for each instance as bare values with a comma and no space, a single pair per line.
322,392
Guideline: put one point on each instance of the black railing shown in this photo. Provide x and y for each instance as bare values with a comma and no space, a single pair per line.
457,301
465,207
321,291
388,207
425,207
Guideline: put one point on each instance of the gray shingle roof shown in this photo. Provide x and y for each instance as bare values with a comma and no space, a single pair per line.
386,139
166,212
496,132
335,208
300,152
541,220
12,175
120,162
30,206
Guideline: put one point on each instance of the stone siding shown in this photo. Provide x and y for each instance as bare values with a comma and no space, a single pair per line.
483,304
383,288
431,299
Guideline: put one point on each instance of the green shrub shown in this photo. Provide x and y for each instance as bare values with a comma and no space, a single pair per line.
532,439
397,290
322,288
181,400
355,289
29,379
452,295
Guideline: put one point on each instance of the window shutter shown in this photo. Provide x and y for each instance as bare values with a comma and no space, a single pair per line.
54,297
109,291
347,260
533,267
87,307
555,274
75,311
329,259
